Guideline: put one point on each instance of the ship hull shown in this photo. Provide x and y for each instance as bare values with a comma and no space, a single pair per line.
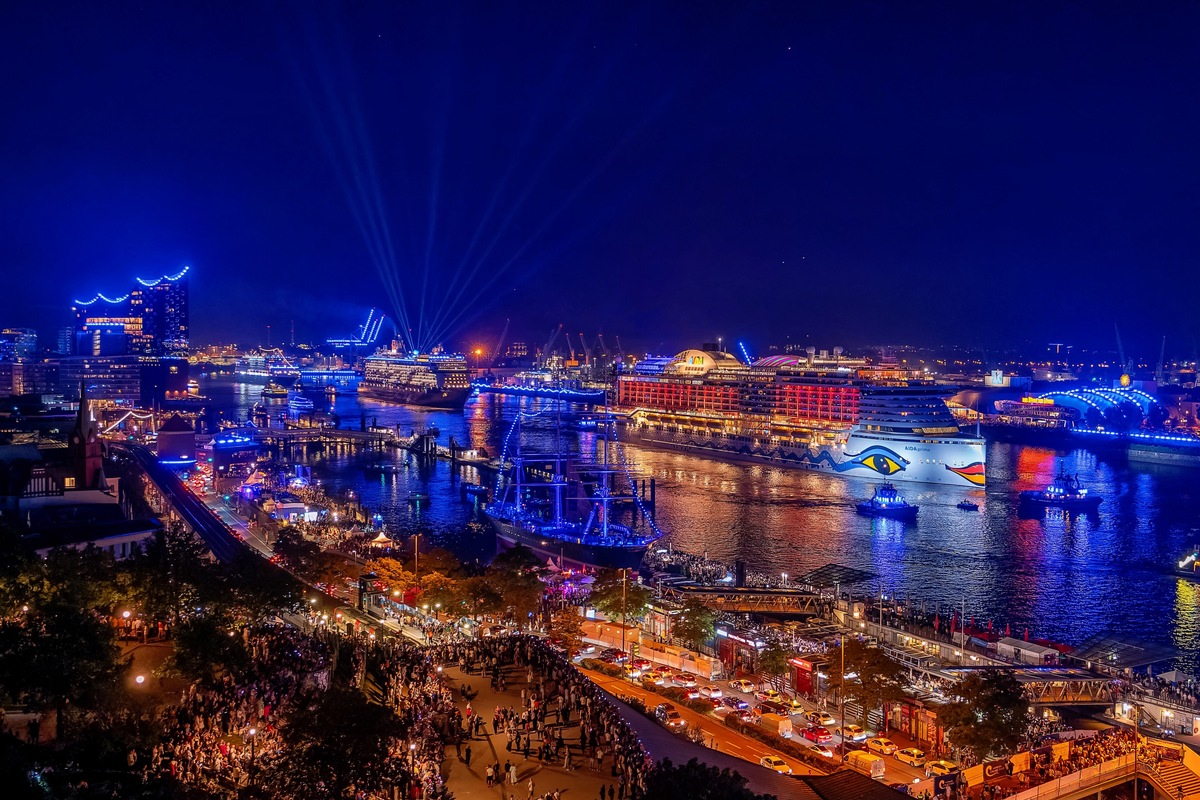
952,462
263,378
449,399
567,554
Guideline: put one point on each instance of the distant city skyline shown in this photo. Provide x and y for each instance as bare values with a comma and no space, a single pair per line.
851,173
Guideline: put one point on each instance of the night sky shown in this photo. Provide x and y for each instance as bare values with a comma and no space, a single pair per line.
839,173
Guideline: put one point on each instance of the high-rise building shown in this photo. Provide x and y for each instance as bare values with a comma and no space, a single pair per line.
17,343
66,341
152,319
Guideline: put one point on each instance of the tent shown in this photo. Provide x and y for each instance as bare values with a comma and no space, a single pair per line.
382,540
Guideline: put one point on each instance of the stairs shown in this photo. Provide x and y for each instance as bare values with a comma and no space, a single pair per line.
1173,776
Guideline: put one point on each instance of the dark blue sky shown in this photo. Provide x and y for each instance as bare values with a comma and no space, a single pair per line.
982,173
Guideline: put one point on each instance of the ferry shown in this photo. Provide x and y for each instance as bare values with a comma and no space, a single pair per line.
833,414
273,391
1188,565
299,404
434,380
1065,492
266,366
888,503
532,509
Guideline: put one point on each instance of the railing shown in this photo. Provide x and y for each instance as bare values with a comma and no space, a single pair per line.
1106,772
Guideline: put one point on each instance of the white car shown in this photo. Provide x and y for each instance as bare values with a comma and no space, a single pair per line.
711,692
882,746
684,679
821,750
776,763
742,685
768,694
940,767
911,756
820,717
852,732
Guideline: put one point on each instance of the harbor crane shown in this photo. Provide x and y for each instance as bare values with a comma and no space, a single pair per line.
550,342
1162,357
587,351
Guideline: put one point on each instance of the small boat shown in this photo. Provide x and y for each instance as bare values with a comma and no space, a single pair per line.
888,503
475,490
1065,492
273,391
417,498
386,467
967,505
331,391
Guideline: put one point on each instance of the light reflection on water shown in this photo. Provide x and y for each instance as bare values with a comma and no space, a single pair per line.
1064,577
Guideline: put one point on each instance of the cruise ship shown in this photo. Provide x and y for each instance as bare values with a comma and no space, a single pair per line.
431,380
830,414
266,366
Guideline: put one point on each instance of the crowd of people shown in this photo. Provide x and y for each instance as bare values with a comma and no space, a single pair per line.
211,736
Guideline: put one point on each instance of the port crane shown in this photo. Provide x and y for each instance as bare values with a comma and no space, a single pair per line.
550,343
499,344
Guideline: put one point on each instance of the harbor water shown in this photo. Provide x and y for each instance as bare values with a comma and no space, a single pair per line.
1062,577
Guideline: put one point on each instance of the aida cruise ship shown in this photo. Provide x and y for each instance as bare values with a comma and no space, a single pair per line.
830,414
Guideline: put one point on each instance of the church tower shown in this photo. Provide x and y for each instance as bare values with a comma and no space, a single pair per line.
88,455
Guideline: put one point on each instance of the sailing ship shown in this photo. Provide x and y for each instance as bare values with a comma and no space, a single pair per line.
533,506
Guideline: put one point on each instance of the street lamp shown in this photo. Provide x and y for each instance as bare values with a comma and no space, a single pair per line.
416,556
252,732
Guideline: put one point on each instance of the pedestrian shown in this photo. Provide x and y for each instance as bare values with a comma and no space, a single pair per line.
491,776
467,756
530,785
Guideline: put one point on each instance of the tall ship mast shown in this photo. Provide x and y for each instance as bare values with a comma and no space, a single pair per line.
565,508
836,415
431,380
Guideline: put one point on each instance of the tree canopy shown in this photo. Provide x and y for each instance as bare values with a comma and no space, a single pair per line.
667,781
696,623
871,679
989,714
606,595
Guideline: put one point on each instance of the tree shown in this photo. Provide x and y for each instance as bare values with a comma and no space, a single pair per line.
773,662
393,574
665,780
567,626
875,679
478,596
438,589
517,575
174,572
204,648
335,740
606,595
696,624
988,715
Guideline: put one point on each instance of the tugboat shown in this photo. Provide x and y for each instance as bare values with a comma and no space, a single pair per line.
273,391
887,502
1065,492
967,505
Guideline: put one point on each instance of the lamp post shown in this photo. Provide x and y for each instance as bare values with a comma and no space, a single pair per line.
250,771
842,696
624,577
416,556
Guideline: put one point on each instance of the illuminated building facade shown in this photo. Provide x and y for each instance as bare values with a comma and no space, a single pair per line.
152,319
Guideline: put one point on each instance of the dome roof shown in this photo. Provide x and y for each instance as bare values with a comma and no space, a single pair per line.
698,362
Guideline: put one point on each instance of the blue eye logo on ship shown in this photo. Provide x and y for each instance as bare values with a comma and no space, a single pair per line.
879,459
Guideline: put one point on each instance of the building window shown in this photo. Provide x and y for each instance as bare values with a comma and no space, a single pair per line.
68,483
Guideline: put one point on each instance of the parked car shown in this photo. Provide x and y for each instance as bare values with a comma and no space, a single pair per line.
817,733
852,732
940,767
711,691
820,718
685,679
669,715
879,744
742,685
776,763
911,756
768,694
736,703
821,750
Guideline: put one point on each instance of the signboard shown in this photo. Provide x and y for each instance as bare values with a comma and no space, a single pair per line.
995,769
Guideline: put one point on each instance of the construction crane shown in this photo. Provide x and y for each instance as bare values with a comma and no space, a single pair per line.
570,346
550,342
499,345
603,345
620,352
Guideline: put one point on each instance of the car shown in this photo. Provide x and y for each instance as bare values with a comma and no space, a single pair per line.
911,756
614,656
641,664
684,679
632,671
742,685
817,733
692,694
768,694
649,679
776,763
746,717
736,703
587,649
820,717
821,750
669,715
881,745
852,732
794,706
940,767
711,691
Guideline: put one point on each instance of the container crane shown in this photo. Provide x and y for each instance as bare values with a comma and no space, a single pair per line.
550,342
587,351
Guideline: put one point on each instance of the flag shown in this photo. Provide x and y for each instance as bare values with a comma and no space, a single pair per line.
936,622
1007,630
1027,634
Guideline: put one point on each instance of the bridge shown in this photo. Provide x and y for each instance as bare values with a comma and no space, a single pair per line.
743,600
1050,686
186,507
303,435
